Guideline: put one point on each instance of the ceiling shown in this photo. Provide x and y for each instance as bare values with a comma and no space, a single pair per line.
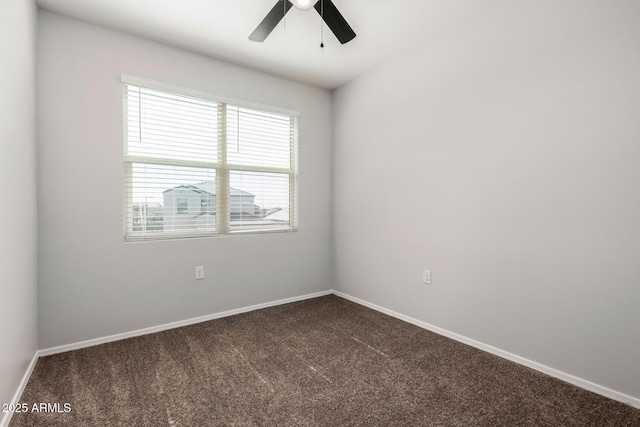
220,29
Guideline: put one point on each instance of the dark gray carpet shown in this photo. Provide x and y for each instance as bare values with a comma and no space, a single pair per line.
321,362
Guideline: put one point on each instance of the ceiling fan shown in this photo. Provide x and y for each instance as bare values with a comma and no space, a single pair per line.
327,10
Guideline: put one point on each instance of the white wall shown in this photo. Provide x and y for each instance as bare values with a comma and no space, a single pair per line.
505,156
18,211
92,284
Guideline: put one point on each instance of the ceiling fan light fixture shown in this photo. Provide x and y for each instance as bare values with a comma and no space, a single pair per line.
325,8
304,4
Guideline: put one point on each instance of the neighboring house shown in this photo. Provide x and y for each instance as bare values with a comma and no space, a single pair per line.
194,206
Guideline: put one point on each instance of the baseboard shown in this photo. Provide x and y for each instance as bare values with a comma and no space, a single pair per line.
579,382
173,325
6,419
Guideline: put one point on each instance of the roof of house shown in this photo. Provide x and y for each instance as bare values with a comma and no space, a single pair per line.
209,187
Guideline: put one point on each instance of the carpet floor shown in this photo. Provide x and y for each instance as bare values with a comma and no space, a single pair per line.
321,362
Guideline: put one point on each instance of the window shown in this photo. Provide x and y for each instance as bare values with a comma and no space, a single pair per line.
182,205
195,166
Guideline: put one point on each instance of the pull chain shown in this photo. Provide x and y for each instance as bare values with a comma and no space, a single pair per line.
284,15
322,23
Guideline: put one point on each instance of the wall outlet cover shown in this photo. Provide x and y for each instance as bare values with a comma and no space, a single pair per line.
426,277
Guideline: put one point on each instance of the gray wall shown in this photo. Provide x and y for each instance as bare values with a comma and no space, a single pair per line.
91,283
504,155
18,274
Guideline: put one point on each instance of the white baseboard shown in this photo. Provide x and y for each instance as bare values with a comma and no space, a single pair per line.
6,419
579,382
173,325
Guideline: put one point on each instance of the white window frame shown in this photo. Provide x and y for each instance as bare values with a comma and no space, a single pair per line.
223,169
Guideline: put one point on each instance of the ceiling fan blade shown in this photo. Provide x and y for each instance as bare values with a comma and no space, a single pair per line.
270,21
335,21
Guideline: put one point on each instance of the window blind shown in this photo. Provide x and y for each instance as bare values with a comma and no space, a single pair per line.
197,167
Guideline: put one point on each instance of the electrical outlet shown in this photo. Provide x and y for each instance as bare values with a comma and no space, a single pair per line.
426,277
199,272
